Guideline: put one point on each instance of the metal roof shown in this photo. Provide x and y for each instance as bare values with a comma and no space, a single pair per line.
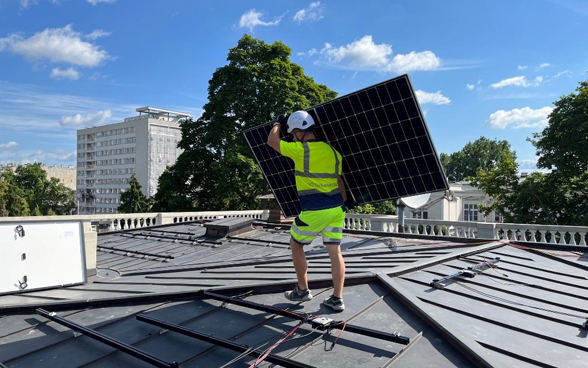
526,310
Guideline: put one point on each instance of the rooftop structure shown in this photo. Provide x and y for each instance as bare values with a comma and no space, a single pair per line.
191,294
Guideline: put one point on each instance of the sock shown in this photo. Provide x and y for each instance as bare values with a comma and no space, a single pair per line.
335,298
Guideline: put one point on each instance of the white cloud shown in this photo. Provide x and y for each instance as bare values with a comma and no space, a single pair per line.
97,33
367,55
435,98
94,2
520,81
69,73
312,14
56,45
470,87
308,53
252,19
521,67
543,65
520,118
8,145
89,119
560,74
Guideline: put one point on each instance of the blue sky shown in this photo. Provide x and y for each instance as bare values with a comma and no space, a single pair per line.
480,68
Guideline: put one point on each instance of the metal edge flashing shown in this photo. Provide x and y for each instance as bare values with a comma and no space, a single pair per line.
480,356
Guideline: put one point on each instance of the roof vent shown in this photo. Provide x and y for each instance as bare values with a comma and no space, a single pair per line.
228,227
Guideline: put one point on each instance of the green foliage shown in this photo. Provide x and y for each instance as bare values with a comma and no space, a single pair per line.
132,200
379,208
216,171
563,145
27,191
481,154
557,197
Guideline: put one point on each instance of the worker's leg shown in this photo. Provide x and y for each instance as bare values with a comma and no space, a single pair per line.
337,268
300,265
332,236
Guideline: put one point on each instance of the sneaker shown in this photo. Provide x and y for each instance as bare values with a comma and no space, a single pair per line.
298,295
336,305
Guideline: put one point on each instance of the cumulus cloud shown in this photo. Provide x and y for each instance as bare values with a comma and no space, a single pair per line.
97,33
520,118
520,81
311,14
8,145
470,87
252,19
365,54
89,119
69,73
522,67
435,98
56,45
309,52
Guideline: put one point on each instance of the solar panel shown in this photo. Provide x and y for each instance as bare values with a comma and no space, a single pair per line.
382,135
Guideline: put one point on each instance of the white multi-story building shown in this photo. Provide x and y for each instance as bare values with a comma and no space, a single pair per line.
109,154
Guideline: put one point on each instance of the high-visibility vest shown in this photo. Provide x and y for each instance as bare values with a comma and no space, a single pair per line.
317,166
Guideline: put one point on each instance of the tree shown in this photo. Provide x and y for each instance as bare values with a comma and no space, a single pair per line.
216,171
481,154
12,202
132,200
556,197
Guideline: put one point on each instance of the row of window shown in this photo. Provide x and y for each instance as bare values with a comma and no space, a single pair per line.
118,151
105,181
105,210
107,200
471,212
114,142
114,172
108,133
116,161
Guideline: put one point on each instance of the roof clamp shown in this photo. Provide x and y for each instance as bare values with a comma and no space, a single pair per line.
77,334
321,322
470,272
585,324
163,330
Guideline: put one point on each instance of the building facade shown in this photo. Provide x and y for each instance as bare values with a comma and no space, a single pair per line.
108,155
460,203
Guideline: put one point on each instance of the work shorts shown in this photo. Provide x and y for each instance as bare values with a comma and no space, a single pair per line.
329,223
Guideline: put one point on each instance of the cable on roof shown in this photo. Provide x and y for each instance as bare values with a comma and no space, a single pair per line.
266,353
517,303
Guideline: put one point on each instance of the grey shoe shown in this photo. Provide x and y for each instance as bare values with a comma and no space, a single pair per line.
298,295
336,305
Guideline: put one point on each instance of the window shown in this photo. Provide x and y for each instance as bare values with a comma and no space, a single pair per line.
470,212
421,215
498,217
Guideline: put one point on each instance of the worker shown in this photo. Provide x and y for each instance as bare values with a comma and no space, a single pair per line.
317,168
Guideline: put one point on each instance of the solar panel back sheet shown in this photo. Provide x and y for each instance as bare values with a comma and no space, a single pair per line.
381,133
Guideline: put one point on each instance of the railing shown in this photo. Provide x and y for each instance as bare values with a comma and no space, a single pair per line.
546,234
121,221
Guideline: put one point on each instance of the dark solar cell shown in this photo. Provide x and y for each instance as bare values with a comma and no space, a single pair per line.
383,138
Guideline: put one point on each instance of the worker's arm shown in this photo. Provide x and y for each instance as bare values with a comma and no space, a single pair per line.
342,188
273,139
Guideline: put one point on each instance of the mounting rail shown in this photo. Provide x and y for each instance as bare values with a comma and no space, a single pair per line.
468,272
125,348
272,358
394,337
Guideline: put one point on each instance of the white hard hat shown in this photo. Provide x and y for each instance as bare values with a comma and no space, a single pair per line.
299,120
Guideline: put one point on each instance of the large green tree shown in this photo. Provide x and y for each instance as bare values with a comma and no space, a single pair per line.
559,196
28,186
132,200
480,154
216,171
